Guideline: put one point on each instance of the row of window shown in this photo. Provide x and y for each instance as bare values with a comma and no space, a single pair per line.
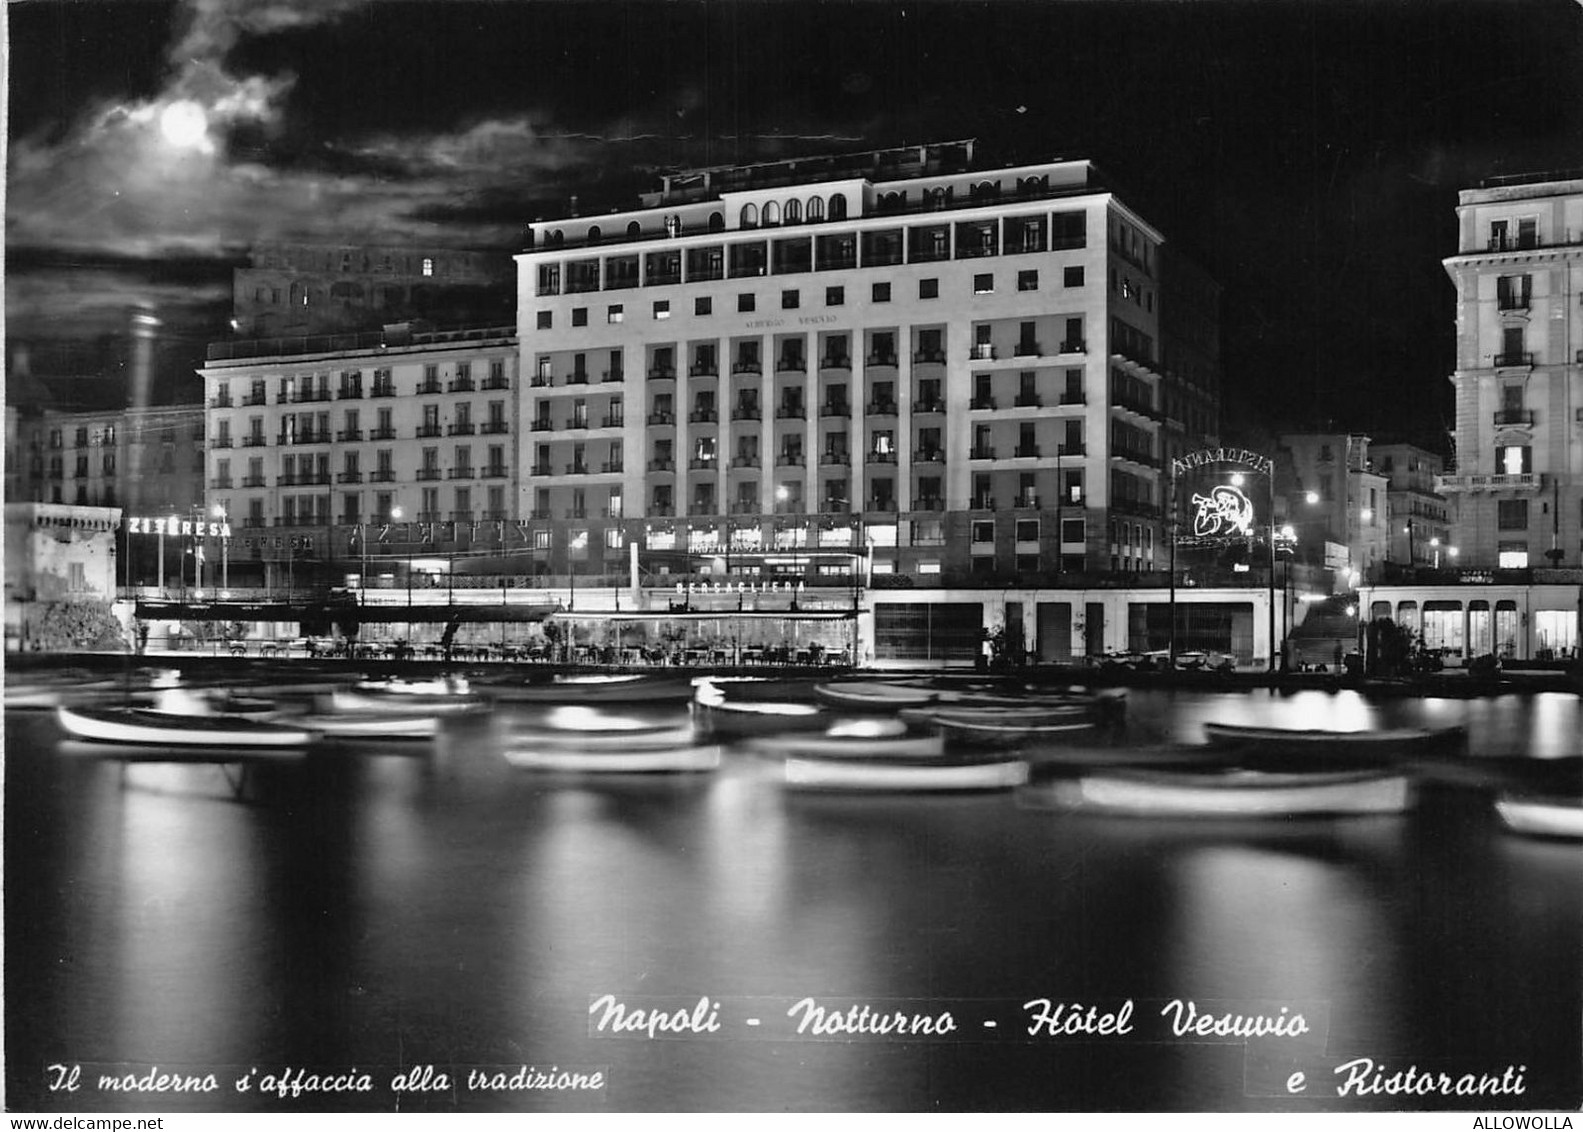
308,387
791,298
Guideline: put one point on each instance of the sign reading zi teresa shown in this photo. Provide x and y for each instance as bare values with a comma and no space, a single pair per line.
176,526
1224,511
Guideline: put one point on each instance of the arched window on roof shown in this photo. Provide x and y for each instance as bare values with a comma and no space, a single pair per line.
717,222
750,216
837,207
594,233
772,212
634,230
815,209
794,211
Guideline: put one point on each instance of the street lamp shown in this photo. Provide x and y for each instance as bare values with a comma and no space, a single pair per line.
1435,545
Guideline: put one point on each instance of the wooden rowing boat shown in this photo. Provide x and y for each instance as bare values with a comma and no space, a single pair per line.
1387,744
549,756
889,775
1541,816
825,745
593,689
133,725
1234,793
366,724
873,695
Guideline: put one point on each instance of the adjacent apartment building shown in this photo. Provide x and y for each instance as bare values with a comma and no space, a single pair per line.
969,373
1518,273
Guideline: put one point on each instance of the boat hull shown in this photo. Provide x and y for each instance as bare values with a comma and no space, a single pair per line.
1383,746
1235,794
1542,817
824,746
865,775
573,760
132,726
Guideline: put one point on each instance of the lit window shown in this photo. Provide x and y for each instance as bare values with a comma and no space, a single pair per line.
615,313
983,284
428,265
662,308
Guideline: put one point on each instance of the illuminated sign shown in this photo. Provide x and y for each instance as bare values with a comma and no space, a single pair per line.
1224,511
177,526
738,587
1262,465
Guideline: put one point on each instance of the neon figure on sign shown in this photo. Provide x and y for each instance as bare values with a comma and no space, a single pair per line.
1224,511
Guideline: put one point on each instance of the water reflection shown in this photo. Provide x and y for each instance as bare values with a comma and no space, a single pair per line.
386,905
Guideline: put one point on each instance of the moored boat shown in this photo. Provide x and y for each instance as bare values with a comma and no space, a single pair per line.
689,758
873,695
593,689
1383,745
1541,816
825,745
721,714
133,725
366,724
904,775
366,699
1006,725
1237,793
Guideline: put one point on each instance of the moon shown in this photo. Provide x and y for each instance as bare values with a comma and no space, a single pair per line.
184,125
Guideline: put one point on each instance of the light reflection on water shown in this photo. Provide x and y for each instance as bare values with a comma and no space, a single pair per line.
392,907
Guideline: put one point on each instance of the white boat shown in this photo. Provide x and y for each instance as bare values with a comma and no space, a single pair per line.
625,760
366,725
371,698
1541,817
720,715
594,689
873,695
1008,725
586,730
1234,793
881,775
132,725
1382,745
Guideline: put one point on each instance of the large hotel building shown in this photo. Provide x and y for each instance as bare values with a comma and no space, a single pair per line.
969,371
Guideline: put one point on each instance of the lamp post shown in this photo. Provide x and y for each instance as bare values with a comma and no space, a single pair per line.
225,552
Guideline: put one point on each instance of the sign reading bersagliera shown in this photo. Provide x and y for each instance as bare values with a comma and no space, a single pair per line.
176,526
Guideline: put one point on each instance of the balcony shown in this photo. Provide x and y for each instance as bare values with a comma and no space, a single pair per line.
223,402
310,396
1028,349
428,387
786,364
1071,449
543,424
982,452
834,507
1514,417
382,475
662,418
1134,455
463,473
746,461
929,357
1074,399
349,477
834,459
576,424
981,403
255,399
881,360
492,383
577,512
252,481
983,503
462,385
495,471
747,365
1028,401
662,373
981,352
461,516
220,482
494,428
542,468
221,442
386,433
541,513
662,511
427,431
383,389
613,420
745,413
1027,452
881,458
1028,502
929,503
428,474
703,369
612,375
835,361
1523,481
613,467
1079,346
932,405
789,460
540,381
702,464
928,456
662,465
784,412
880,409
745,507
703,416
349,434
577,377
1514,359
254,441
884,506
575,469
835,409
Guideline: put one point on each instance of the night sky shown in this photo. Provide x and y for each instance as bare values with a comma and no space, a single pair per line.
1308,154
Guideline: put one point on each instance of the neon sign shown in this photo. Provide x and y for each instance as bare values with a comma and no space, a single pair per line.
177,526
1224,511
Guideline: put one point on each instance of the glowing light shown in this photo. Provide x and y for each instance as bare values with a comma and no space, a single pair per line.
1236,479
185,125
1352,611
1312,497
1368,515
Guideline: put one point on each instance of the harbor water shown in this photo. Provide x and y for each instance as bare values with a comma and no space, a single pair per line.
424,927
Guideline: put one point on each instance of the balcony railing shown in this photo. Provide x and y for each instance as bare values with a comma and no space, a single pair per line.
575,424
981,352
220,482
703,416
386,433
1074,399
494,428
255,399
1514,416
463,473
349,477
349,434
1028,401
881,458
982,452
928,455
542,468
979,403
834,458
577,377
493,383
662,418
1028,349
220,442
835,409
613,420
611,375
928,406
1521,481
1514,358
928,357
745,413
1079,346
543,424
785,412
785,364
382,475
252,481
745,462
929,503
702,464
428,473
880,409
383,389
220,402
495,471
1027,451
835,361
662,373
426,431
1071,449
747,365
662,465
703,369
789,460
575,469
427,387
462,385
881,360
612,467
